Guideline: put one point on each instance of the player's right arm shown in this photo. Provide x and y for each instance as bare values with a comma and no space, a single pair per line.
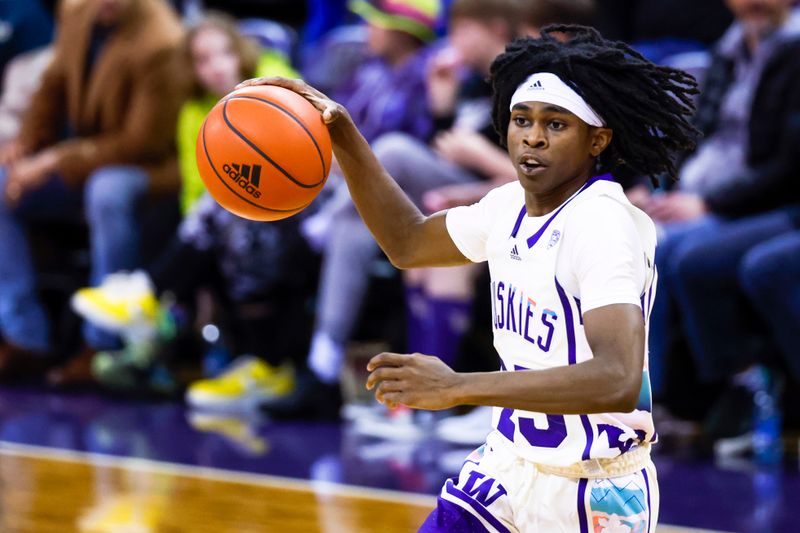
409,238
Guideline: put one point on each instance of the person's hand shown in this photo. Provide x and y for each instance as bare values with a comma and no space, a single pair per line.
462,147
449,196
12,152
413,380
443,81
28,174
331,111
676,207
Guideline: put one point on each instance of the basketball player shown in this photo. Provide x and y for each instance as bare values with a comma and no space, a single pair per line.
572,280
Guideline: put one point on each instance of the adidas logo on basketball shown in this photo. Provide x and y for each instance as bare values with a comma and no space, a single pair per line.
247,177
515,254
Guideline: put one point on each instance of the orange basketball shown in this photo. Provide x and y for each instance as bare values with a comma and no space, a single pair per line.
264,153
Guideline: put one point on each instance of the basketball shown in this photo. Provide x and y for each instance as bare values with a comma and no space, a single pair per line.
264,153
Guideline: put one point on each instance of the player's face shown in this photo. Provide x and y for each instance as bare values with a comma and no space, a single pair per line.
550,147
216,63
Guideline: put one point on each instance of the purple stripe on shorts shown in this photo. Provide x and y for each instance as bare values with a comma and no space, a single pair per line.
582,518
533,239
451,518
647,488
478,508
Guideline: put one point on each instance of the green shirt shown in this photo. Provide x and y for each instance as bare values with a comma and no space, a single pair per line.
191,118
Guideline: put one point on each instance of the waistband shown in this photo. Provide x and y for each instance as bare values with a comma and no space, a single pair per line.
622,465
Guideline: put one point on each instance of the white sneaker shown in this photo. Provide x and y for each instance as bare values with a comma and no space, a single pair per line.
123,301
468,429
396,425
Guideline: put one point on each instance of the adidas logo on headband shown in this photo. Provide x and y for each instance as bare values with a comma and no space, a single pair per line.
557,93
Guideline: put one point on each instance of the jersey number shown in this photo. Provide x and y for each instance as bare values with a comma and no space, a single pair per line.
552,437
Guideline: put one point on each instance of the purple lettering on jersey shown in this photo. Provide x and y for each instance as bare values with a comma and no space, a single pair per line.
528,315
615,437
547,315
500,304
551,437
511,323
494,309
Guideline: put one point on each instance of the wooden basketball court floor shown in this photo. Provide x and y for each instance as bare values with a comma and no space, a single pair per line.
87,462
46,489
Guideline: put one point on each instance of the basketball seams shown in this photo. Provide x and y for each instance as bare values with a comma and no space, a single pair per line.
299,122
225,183
263,154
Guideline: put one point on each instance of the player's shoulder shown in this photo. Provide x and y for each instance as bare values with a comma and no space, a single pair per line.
606,212
502,196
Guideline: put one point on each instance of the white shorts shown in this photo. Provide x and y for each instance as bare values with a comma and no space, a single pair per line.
497,491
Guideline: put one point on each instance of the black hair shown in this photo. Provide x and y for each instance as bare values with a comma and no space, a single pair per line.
647,106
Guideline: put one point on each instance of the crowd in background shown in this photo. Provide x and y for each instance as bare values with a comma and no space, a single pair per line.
118,271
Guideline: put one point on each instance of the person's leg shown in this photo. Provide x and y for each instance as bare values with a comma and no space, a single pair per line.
705,269
448,292
351,249
111,200
770,275
662,317
23,321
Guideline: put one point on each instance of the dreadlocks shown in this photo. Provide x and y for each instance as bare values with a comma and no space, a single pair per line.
646,105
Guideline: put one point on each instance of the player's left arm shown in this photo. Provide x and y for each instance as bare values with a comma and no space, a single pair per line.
609,382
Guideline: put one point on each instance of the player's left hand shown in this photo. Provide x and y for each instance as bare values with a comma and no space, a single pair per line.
415,380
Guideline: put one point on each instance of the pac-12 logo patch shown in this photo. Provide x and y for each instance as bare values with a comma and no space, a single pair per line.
554,238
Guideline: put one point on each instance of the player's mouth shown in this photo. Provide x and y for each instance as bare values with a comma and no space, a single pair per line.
530,165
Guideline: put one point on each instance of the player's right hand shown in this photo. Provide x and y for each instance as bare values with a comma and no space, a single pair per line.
331,111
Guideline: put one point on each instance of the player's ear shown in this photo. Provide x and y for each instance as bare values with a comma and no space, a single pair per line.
600,139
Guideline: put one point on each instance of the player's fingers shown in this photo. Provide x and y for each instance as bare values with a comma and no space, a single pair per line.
387,359
386,373
390,399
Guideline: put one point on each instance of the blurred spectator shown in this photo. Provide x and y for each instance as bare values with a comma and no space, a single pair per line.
221,57
387,94
770,275
659,29
260,274
24,26
255,270
22,77
98,132
734,191
537,14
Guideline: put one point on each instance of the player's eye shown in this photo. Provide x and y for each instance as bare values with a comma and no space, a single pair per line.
557,125
520,121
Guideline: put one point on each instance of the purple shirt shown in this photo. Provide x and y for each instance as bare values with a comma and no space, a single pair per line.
383,99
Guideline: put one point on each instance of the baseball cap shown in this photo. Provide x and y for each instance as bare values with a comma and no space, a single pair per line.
416,17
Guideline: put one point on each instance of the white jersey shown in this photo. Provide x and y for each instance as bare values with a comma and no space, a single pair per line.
595,249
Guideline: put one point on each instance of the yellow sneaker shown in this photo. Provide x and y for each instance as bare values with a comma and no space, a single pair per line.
246,382
122,301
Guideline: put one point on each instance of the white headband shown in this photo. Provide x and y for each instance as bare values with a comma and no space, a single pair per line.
548,88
